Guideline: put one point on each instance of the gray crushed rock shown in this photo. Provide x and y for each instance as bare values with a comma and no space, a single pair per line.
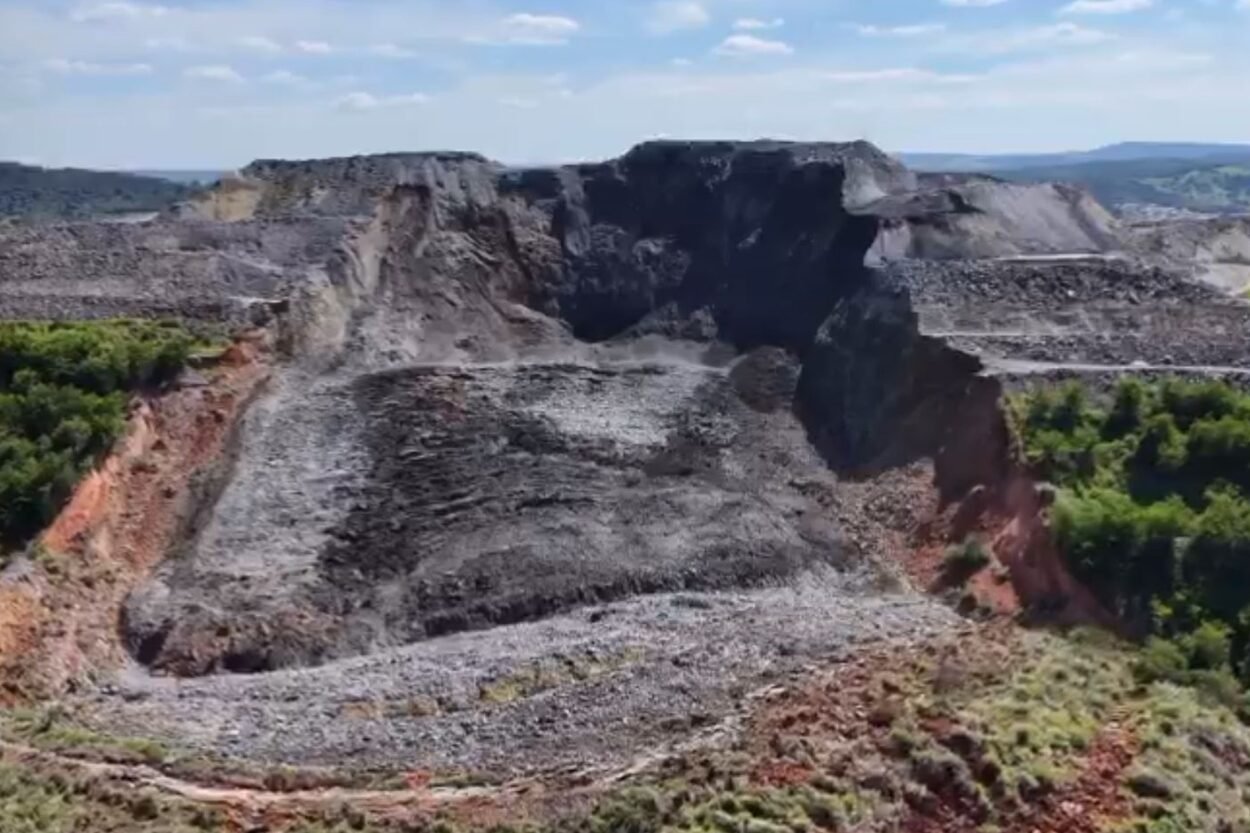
657,669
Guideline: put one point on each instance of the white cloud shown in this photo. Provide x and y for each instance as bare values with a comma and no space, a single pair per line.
911,30
34,30
360,101
215,72
965,4
391,50
744,24
314,47
675,15
282,76
743,46
1037,38
168,44
1065,99
62,66
1065,94
909,74
116,11
518,102
1105,6
538,29
260,43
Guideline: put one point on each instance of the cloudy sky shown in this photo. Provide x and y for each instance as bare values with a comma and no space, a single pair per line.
216,83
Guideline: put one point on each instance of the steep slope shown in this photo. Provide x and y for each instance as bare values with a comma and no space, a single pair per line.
559,477
969,217
1216,250
588,410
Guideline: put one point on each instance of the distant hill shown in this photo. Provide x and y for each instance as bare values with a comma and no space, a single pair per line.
184,177
1207,178
1122,152
1216,189
70,193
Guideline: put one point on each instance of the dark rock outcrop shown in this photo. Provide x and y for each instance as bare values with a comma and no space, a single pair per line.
765,237
875,393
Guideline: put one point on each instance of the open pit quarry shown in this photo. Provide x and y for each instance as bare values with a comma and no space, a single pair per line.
546,470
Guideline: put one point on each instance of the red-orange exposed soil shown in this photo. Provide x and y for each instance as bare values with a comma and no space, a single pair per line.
841,720
58,621
1012,519
1093,801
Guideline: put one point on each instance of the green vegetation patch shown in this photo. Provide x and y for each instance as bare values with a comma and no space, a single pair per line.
535,678
63,396
1154,514
731,809
33,801
1040,718
999,731
962,561
52,730
44,193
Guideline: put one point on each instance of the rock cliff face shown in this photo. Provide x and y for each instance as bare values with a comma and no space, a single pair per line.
756,240
515,392
763,238
876,393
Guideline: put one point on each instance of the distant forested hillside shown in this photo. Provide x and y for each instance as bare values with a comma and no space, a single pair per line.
1205,178
70,193
1222,188
183,177
1192,153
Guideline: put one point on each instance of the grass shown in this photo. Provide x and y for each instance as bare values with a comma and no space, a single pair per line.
1038,721
1200,750
32,801
535,678
1041,717
987,737
682,807
51,730
963,561
999,732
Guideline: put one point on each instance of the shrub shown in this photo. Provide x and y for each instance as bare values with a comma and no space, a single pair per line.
1129,410
1153,514
63,391
965,560
1188,402
1160,661
1209,647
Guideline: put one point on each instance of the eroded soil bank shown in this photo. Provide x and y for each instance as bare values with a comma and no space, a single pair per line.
60,610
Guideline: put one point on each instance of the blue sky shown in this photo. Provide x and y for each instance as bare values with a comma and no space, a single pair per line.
216,83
